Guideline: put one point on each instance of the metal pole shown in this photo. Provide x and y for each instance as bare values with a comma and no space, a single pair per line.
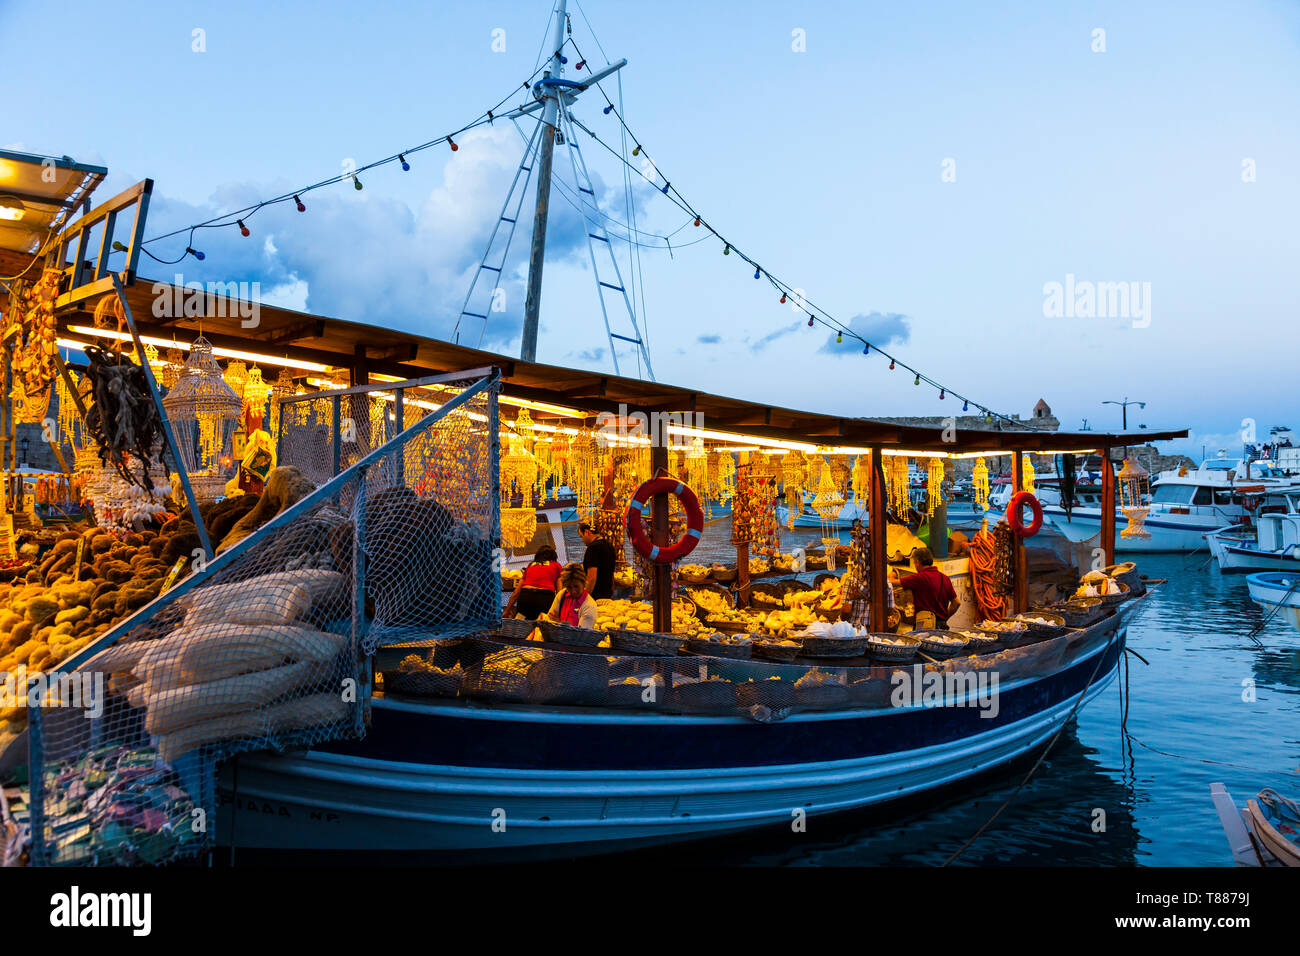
550,122
166,422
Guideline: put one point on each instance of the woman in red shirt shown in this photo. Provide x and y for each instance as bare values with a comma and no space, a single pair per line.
536,589
930,587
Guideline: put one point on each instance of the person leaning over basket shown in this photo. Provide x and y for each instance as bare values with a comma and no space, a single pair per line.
573,605
931,589
536,590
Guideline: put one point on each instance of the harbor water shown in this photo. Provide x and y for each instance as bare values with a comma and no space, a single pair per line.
1205,702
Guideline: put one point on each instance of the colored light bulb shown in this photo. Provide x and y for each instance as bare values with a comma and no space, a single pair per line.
580,64
607,109
697,220
727,250
298,202
452,142
866,349
118,247
406,167
666,188
941,395
810,321
356,183
637,150
918,380
757,272
891,365
243,230
783,298
195,253
965,406
839,338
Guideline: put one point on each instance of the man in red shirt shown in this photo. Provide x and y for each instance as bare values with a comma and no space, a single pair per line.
930,587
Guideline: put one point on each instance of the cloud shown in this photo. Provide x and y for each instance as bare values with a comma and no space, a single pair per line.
709,339
771,337
592,355
366,257
877,328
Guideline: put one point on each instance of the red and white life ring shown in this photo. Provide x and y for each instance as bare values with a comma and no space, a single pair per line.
1015,517
636,527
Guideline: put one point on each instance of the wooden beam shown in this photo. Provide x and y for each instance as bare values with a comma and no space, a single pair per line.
879,533
1107,507
310,329
1021,595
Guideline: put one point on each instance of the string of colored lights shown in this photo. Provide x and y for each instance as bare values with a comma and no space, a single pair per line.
815,313
240,217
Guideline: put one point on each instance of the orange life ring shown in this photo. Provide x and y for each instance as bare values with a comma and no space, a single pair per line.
1016,519
636,527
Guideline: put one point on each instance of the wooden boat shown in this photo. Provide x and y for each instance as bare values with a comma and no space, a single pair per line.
455,777
1266,832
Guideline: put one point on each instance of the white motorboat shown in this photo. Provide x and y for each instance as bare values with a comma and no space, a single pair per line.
1271,544
1185,506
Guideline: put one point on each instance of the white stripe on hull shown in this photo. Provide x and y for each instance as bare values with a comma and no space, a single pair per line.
329,801
1083,526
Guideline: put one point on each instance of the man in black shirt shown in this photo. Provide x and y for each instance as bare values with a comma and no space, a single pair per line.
599,562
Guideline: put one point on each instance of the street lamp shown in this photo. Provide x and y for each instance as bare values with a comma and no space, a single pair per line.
1125,404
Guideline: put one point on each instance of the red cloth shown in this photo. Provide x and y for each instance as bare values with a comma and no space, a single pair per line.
545,576
569,608
931,591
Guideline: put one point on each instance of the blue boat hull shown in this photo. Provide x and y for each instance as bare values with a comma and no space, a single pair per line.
454,777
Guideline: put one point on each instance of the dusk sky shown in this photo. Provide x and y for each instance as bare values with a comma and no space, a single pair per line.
925,171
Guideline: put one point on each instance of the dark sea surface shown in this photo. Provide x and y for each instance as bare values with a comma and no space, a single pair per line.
1187,701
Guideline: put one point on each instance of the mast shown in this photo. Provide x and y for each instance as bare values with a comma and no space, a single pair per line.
550,121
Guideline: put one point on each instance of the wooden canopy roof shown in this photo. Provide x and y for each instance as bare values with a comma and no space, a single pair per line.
369,350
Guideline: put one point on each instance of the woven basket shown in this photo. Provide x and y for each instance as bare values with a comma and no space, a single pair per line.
645,642
1079,612
713,696
1111,600
766,595
1127,573
503,675
1043,631
516,628
10,574
1005,637
773,651
562,678
568,634
766,693
707,648
694,577
828,696
930,644
700,609
726,627
722,575
422,683
834,646
893,652
981,642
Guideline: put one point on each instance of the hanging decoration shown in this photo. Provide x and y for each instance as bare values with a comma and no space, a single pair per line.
69,419
256,392
169,370
1134,497
282,387
204,412
584,475
827,502
794,474
897,485
980,483
934,486
861,481
33,331
1027,474
236,377
518,479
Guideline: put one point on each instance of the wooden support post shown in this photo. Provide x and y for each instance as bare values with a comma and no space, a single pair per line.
1107,507
1021,596
742,550
662,583
879,534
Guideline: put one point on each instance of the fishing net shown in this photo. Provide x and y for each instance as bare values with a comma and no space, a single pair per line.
262,647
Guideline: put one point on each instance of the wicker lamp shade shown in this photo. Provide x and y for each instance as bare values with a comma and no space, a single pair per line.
204,413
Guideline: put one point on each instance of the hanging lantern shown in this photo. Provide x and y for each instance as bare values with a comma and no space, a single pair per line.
828,501
282,387
170,369
1027,474
794,473
934,486
980,483
1135,497
861,481
204,413
236,377
897,479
